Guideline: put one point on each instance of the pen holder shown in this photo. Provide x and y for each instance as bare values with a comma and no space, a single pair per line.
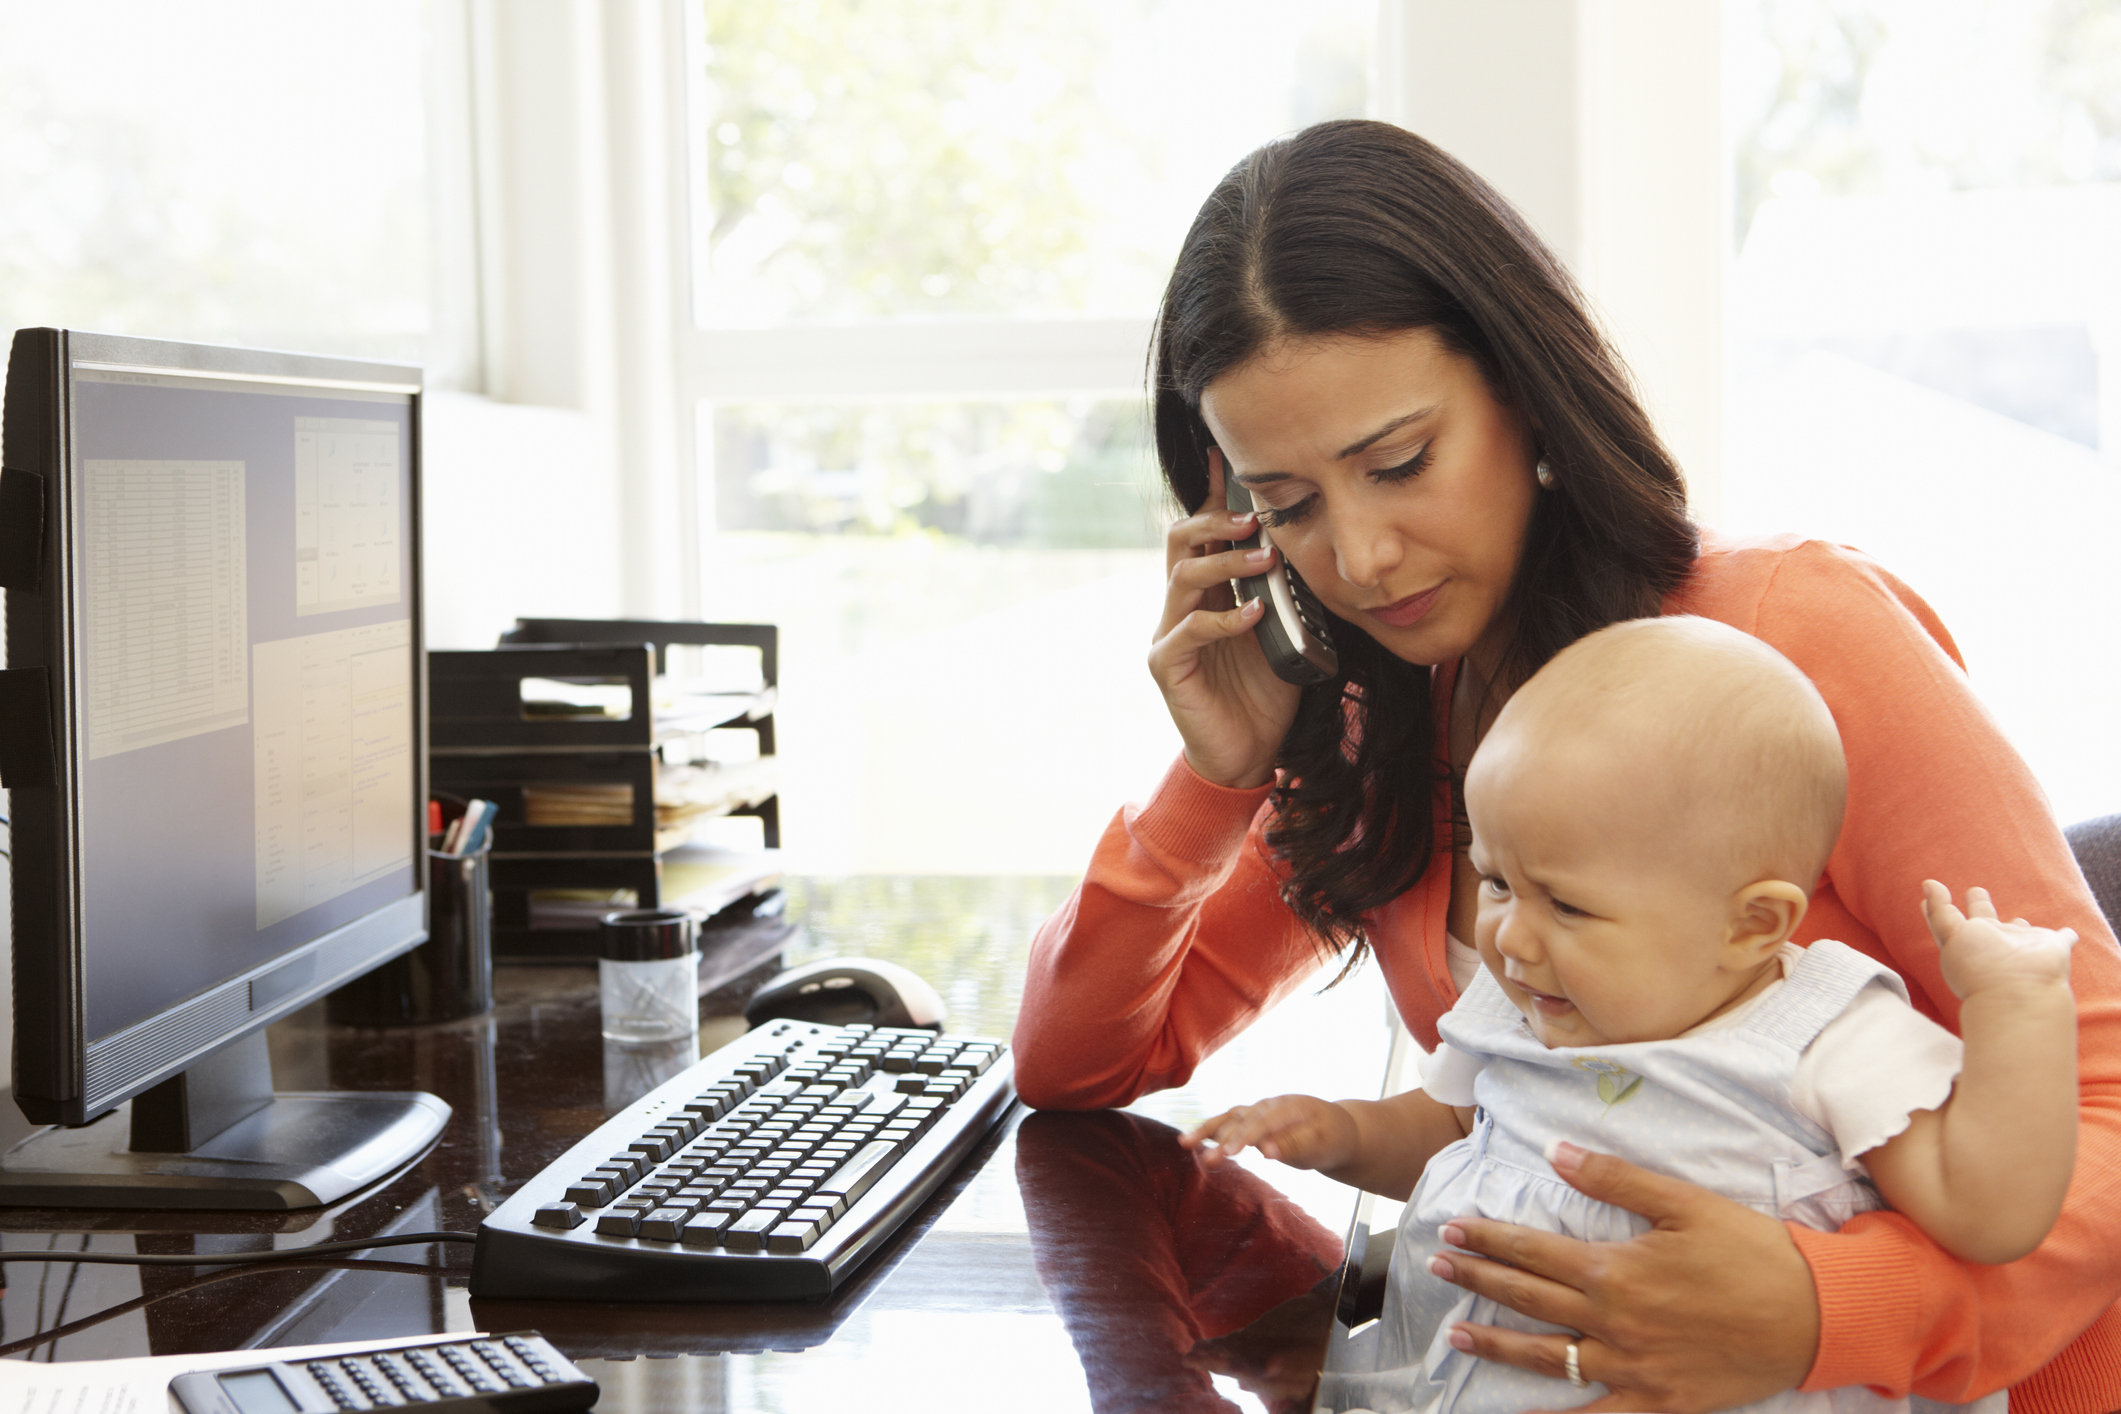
449,976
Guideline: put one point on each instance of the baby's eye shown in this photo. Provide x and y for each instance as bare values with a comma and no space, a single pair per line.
1566,909
1495,886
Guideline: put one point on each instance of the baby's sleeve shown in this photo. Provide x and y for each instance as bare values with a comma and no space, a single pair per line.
1447,1075
1870,1069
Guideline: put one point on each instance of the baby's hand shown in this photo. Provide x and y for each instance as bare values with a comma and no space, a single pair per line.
1981,950
1299,1130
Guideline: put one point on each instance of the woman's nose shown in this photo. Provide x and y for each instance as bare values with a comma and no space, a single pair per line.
1365,550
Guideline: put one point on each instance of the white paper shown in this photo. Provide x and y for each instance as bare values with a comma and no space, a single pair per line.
165,618
333,772
346,514
141,1385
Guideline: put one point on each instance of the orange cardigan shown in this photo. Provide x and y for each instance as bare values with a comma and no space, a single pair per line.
1177,938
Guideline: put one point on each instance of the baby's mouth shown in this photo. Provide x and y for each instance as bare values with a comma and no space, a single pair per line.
1546,1002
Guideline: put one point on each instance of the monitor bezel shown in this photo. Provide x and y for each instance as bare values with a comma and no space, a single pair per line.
62,1075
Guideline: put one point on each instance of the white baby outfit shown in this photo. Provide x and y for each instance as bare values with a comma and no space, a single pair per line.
1736,1105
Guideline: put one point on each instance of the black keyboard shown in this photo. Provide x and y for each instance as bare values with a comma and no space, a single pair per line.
769,1170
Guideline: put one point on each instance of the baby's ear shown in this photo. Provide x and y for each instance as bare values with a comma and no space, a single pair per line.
1763,914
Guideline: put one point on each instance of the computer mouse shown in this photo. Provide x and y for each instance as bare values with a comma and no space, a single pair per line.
847,991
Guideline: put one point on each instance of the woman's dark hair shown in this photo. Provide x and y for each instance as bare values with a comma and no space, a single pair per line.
1363,228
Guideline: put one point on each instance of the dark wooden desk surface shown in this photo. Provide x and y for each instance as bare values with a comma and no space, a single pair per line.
1006,1288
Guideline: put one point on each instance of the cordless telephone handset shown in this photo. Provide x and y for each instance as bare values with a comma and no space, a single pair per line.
1292,631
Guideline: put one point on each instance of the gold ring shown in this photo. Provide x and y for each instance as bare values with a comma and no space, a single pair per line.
1573,1363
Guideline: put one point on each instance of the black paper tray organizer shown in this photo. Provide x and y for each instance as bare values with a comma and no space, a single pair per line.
606,752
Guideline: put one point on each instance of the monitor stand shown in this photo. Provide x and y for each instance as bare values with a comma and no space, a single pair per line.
217,1136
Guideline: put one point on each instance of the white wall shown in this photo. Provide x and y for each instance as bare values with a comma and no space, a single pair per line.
521,510
1602,120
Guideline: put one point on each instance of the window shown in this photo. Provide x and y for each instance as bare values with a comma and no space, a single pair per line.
223,171
927,239
1925,327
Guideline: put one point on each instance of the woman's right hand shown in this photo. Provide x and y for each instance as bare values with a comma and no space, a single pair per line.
1230,709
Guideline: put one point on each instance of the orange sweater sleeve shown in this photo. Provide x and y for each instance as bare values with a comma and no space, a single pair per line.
1936,791
1174,941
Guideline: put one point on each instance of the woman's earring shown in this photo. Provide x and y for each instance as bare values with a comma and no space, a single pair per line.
1545,474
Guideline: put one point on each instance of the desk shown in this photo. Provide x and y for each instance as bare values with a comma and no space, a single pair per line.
1066,1234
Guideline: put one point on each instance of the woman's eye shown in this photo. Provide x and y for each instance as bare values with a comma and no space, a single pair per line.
1273,517
1411,467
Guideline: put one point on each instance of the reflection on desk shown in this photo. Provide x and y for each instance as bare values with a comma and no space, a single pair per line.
991,1293
1166,1272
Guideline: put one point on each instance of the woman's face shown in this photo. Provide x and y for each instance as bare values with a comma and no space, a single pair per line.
1390,477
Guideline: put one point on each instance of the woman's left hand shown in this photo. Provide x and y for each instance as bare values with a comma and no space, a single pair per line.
1712,1307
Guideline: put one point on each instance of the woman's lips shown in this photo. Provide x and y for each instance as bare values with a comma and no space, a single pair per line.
1409,611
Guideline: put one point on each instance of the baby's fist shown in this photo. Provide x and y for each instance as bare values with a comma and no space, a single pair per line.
1980,950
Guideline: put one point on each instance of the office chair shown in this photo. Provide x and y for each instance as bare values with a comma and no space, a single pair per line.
2097,845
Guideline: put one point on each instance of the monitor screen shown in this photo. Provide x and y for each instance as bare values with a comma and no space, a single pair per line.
212,717
242,630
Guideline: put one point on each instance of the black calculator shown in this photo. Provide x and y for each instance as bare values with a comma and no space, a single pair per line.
507,1374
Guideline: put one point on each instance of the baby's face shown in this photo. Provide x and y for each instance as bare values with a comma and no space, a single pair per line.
1589,917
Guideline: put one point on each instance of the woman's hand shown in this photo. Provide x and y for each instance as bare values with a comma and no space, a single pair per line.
1301,1131
1712,1307
1231,710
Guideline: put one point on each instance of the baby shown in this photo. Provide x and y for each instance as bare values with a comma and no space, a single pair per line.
1649,814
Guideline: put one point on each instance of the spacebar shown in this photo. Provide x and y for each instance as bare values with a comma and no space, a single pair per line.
861,1171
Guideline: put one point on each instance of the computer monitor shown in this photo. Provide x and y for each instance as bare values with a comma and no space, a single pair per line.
213,736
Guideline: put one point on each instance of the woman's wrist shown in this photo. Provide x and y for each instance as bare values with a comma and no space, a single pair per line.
1230,775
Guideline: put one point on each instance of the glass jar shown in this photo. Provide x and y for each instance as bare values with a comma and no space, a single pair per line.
648,977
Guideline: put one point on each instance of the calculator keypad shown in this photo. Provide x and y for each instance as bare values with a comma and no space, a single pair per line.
455,1370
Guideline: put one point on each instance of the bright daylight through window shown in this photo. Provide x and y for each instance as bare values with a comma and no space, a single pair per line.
962,561
1925,329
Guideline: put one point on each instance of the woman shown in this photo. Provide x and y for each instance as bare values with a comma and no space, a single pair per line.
1367,338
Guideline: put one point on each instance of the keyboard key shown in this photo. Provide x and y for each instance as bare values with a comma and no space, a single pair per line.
559,1215
860,1173
793,1236
619,1222
589,1195
663,1224
705,1229
748,1233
